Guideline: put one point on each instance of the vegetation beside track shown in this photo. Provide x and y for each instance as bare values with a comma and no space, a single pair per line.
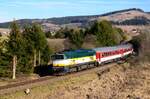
119,81
61,79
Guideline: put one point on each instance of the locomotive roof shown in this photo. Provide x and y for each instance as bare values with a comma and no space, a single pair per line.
112,48
79,53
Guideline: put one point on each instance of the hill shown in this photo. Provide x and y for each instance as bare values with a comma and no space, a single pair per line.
131,16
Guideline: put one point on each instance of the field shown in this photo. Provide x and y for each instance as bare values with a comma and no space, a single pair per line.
56,44
123,81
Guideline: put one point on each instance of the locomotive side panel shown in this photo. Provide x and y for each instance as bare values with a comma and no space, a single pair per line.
73,61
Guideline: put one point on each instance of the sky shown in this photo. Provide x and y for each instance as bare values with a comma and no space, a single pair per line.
20,9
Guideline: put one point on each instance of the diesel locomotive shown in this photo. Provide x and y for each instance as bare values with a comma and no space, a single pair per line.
76,59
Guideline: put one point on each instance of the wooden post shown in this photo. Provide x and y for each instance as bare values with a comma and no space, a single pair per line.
14,66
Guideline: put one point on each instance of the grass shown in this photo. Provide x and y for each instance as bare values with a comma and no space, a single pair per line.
41,92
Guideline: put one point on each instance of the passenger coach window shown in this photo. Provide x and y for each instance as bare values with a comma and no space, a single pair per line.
103,55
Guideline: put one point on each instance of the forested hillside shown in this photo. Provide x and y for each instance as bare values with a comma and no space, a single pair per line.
131,16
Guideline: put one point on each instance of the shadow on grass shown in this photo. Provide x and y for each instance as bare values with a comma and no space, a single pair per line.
43,70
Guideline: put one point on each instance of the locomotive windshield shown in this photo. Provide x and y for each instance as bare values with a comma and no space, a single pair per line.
57,57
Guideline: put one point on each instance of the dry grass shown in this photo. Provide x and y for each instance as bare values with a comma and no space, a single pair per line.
125,16
119,82
43,92
137,83
128,29
4,31
21,78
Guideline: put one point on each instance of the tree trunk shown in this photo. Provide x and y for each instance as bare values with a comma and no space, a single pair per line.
34,58
39,57
14,66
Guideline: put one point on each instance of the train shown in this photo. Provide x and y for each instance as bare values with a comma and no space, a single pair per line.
74,60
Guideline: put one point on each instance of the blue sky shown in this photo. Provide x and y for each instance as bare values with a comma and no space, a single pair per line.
19,9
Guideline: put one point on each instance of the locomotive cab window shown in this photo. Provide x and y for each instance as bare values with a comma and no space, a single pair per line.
57,57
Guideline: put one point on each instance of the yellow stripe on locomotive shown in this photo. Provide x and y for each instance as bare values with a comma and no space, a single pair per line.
72,58
74,61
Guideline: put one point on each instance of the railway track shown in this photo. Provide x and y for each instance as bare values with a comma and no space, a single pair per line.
48,79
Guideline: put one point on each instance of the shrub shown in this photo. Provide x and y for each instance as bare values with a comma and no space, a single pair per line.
106,35
141,45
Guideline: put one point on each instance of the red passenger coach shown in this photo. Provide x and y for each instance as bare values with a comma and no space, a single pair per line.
104,54
98,56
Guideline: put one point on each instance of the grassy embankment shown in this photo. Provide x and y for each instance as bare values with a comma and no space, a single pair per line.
42,91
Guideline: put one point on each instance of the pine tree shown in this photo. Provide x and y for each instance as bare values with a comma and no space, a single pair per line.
30,60
39,40
15,46
36,42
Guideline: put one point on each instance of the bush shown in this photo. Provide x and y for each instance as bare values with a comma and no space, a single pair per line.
4,62
106,34
5,71
49,34
77,38
141,45
145,45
